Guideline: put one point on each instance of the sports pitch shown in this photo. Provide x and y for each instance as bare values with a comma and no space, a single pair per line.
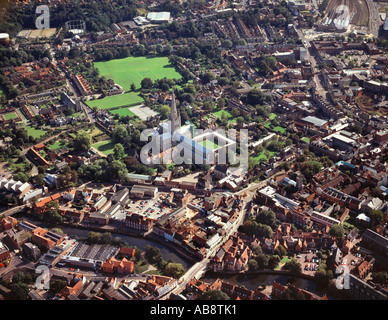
134,69
131,70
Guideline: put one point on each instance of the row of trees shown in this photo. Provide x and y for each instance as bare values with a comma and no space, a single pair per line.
171,268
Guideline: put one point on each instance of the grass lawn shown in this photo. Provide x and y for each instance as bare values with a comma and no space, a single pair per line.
141,266
132,70
220,112
35,133
272,116
11,115
262,158
279,129
123,112
305,139
209,144
57,145
284,260
106,147
119,100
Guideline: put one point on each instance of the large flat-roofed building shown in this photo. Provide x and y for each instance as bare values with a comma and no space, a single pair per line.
159,17
311,121
360,290
376,241
141,192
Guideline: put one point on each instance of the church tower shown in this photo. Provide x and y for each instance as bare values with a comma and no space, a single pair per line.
175,117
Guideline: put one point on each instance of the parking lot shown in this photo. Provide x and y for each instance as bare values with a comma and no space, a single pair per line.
309,262
151,208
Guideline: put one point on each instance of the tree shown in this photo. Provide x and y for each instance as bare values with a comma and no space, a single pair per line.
133,87
116,170
215,295
152,254
175,270
56,286
118,151
253,265
376,217
82,142
19,291
262,261
146,83
293,265
337,231
207,77
267,217
164,111
380,277
273,261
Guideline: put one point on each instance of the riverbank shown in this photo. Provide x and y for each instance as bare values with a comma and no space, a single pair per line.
169,251
130,233
253,280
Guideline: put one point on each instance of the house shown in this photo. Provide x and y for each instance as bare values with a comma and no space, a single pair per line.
221,171
364,268
4,252
8,223
16,238
115,266
74,286
31,251
277,290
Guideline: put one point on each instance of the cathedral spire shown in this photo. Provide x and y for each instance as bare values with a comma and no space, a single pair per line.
175,117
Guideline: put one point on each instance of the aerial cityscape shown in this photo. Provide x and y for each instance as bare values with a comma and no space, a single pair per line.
194,150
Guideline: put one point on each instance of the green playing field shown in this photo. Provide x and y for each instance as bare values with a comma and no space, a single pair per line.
131,70
134,69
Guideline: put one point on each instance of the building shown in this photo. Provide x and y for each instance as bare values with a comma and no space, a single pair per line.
360,290
113,265
16,238
138,222
4,252
31,251
375,241
141,192
158,17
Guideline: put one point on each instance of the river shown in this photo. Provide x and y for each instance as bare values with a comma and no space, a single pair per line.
140,243
252,281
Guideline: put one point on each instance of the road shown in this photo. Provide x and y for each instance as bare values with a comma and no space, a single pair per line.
374,18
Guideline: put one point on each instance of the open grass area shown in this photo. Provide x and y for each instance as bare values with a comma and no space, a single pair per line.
57,145
106,147
305,139
263,158
279,129
209,144
272,116
220,112
123,112
35,133
11,115
132,70
276,129
119,100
